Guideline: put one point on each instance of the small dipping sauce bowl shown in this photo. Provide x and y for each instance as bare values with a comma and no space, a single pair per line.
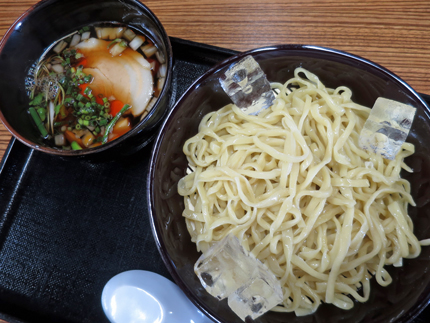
47,22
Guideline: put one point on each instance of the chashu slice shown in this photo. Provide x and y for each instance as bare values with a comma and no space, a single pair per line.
127,77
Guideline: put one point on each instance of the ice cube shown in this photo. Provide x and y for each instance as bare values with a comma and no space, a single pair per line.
260,294
387,127
224,267
247,86
228,270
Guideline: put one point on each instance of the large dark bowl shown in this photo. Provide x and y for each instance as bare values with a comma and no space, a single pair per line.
45,23
410,291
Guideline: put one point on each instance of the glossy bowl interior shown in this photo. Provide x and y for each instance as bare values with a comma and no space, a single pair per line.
410,291
45,23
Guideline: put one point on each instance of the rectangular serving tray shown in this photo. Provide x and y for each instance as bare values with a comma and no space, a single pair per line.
67,225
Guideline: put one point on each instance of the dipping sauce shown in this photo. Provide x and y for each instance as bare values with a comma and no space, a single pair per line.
94,86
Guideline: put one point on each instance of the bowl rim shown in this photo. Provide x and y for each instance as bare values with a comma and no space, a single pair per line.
413,312
136,129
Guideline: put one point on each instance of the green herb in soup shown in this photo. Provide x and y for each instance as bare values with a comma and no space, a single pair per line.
94,86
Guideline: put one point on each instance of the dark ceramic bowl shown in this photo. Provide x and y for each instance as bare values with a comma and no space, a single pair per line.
410,291
45,23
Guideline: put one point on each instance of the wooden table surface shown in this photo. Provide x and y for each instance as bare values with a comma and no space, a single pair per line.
393,33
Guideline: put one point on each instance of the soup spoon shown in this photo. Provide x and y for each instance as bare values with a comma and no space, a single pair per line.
146,297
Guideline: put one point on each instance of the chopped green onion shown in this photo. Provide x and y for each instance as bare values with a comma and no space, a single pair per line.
38,122
42,113
78,126
112,123
37,100
57,109
75,146
59,123
114,42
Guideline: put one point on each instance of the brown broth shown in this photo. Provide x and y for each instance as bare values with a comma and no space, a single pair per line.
61,100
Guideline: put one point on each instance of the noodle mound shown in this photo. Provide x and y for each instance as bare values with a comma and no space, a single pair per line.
293,185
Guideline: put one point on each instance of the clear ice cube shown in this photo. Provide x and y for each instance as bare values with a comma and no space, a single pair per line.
260,294
247,86
387,127
228,270
224,267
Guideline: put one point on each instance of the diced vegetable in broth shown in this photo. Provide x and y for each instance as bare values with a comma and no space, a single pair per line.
75,40
136,42
129,34
86,35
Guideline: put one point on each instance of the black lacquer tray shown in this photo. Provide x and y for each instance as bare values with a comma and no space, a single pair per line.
68,225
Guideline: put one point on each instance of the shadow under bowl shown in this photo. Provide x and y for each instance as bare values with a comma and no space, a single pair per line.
44,24
409,292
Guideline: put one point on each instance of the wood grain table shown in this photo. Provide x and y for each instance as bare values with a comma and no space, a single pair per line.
393,33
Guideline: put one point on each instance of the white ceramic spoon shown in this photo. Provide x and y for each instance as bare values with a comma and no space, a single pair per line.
146,297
